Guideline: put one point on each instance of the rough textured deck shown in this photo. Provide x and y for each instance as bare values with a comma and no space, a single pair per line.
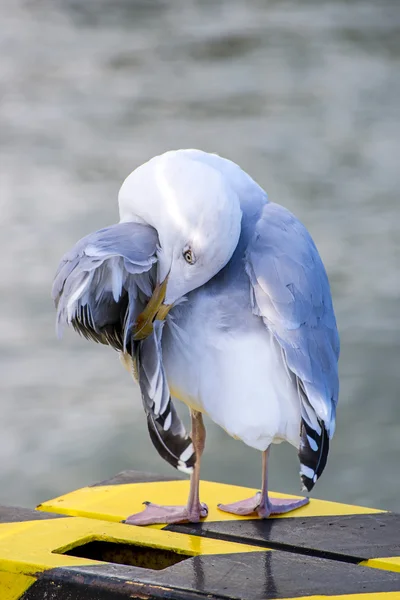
75,548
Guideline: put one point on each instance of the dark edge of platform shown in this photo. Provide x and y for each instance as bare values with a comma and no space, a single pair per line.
245,576
14,514
194,529
134,477
110,582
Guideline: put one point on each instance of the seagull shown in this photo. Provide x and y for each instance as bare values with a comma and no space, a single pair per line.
216,296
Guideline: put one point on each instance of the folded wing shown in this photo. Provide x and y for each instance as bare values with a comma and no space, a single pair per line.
165,427
290,291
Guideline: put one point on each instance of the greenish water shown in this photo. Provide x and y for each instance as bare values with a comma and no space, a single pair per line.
305,96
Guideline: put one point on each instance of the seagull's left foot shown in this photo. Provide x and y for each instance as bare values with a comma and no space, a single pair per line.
155,513
263,509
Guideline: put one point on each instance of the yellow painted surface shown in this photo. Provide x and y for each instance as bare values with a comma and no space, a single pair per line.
388,564
12,587
117,502
32,546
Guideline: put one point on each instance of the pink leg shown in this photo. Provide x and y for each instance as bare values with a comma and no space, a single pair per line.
261,504
195,510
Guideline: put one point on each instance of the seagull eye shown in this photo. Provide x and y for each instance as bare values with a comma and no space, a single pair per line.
189,256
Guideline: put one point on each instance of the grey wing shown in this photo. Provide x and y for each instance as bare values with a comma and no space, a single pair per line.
102,282
167,432
100,287
290,291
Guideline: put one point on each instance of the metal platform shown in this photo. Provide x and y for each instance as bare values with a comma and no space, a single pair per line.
75,548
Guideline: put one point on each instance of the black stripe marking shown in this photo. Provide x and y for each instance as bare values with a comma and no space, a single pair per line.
313,459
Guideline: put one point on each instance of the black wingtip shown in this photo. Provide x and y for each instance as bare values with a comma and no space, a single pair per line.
176,449
313,453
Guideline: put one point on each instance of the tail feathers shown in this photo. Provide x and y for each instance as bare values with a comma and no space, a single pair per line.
170,439
313,452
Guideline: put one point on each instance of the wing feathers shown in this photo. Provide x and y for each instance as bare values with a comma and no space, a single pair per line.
290,292
97,284
166,430
100,287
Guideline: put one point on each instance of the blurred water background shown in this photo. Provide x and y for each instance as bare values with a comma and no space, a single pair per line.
302,94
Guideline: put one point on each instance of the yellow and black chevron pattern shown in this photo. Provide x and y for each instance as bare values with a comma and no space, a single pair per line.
76,548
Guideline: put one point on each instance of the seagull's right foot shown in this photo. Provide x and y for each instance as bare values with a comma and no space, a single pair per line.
155,513
263,507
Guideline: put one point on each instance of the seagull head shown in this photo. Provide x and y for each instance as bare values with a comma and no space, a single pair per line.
197,217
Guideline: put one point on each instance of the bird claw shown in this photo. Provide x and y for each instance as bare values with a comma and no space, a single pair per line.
156,514
242,507
265,509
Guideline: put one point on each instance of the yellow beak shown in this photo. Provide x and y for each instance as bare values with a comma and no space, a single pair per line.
155,309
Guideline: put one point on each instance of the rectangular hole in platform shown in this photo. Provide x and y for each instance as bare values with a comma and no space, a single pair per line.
127,554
